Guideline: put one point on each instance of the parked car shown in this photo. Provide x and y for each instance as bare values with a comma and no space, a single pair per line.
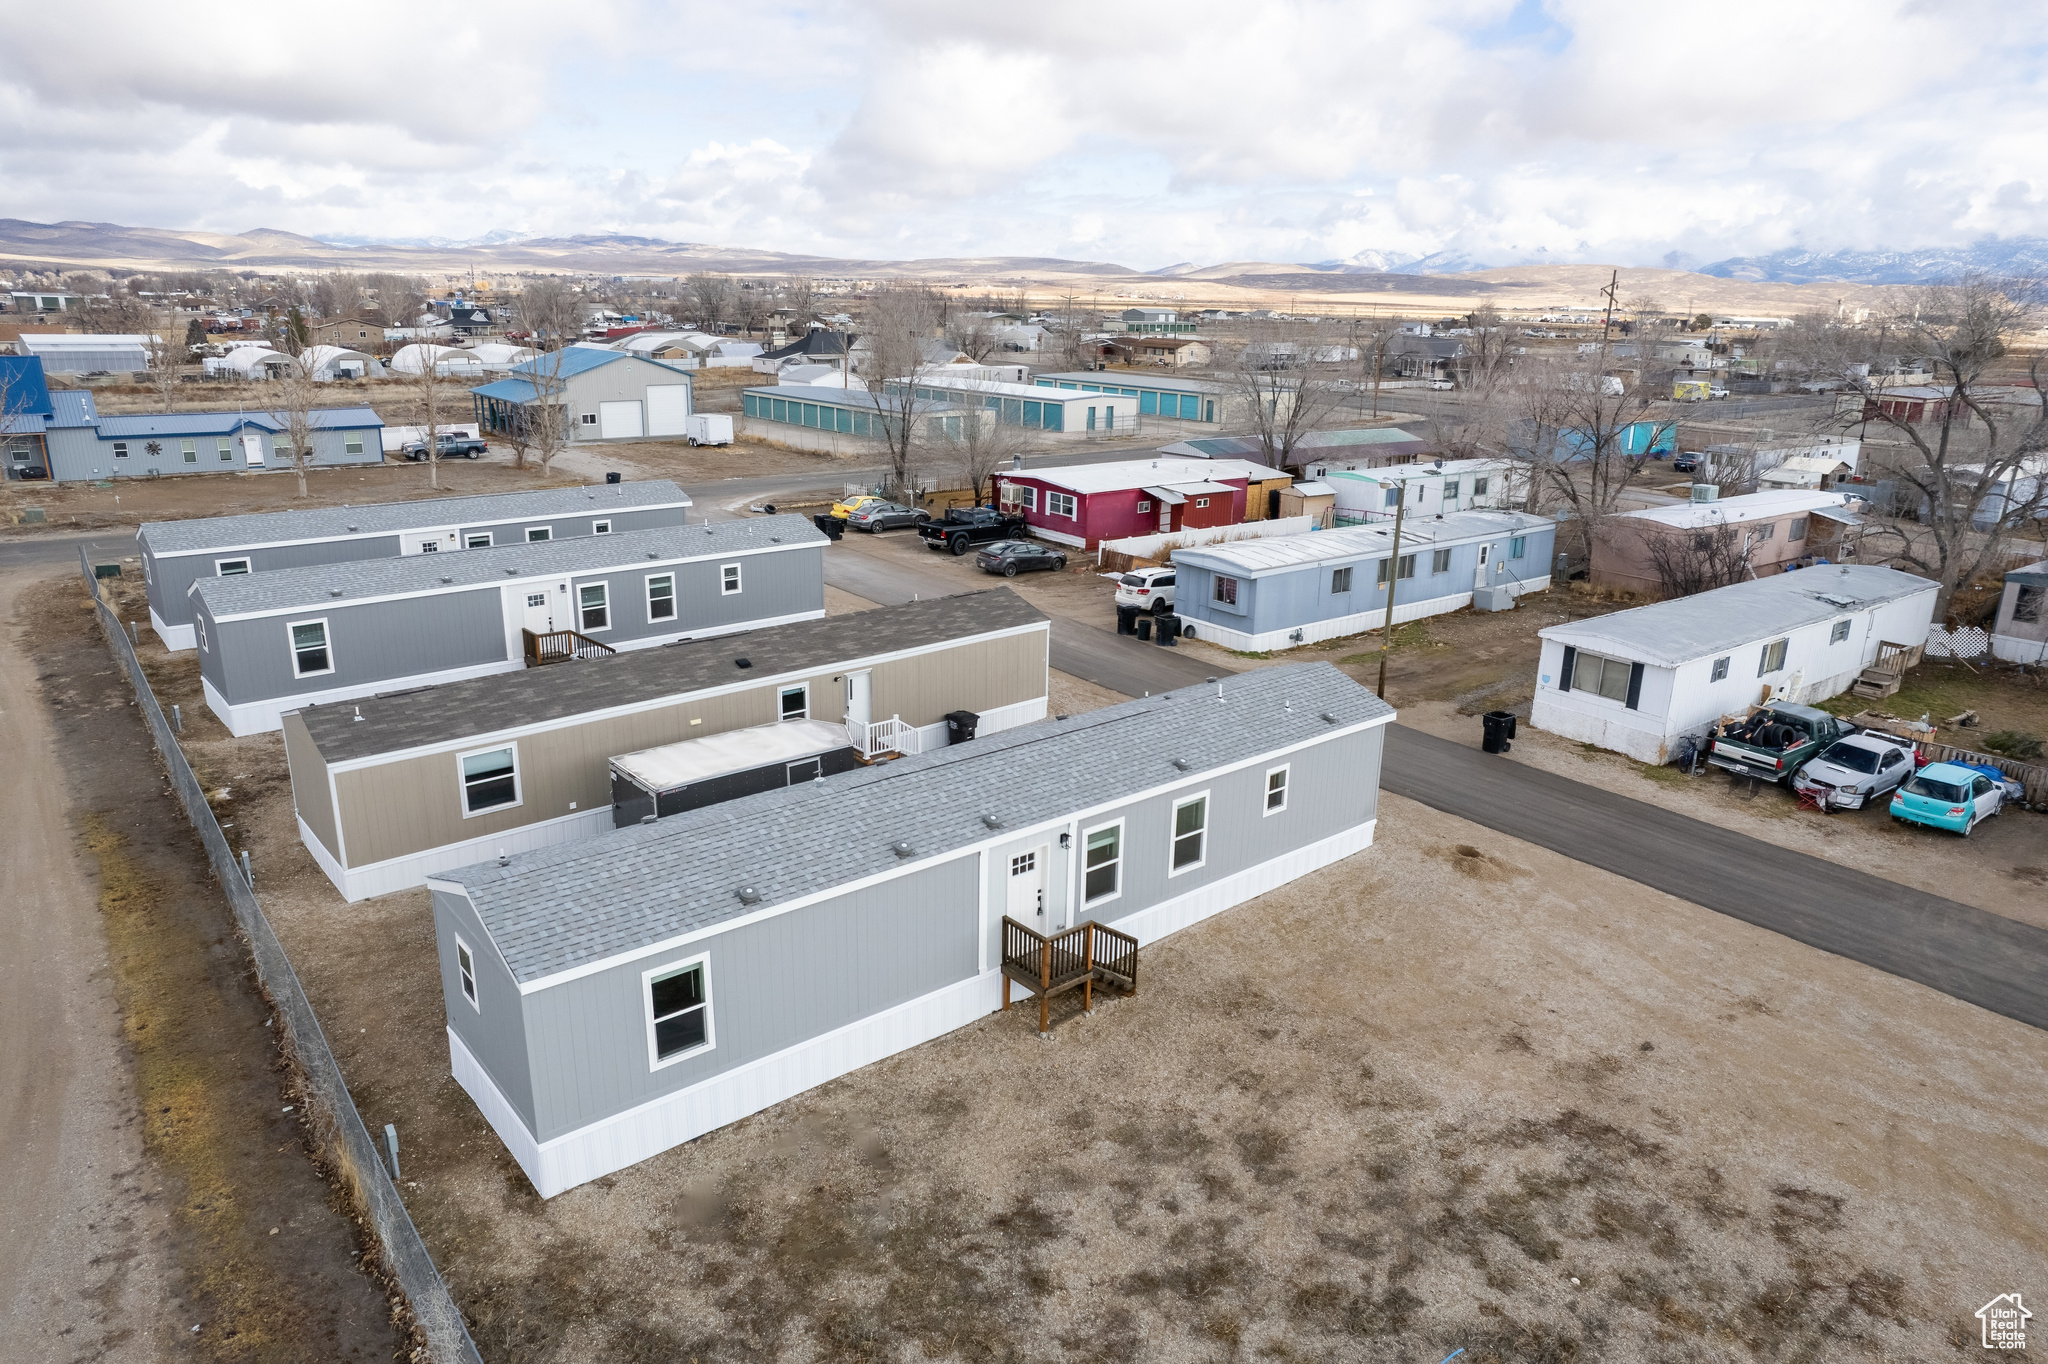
874,516
964,526
1148,589
1686,464
452,446
1011,557
1716,391
845,507
1442,385
1774,743
1852,772
1947,796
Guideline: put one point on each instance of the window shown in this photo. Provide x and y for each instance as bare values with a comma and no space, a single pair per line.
310,654
199,624
1060,504
1028,497
465,971
1773,659
281,445
678,1012
1478,487
430,546
1201,501
661,597
225,448
594,607
1451,491
794,703
1518,546
536,534
1190,833
600,528
352,442
536,599
1440,561
1405,571
1103,857
228,568
490,781
1796,529
120,449
1225,590
589,418
1762,533
2027,605
728,579
1393,496
1606,677
1839,633
477,539
190,450
1720,670
1276,790
1144,507
1340,580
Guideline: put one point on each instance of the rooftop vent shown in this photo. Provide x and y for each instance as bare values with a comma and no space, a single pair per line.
511,572
903,850
446,579
992,821
1328,718
333,591
355,527
743,663
1181,763
748,895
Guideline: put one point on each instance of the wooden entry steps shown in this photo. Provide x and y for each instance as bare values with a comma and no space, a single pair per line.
1078,956
1884,676
561,646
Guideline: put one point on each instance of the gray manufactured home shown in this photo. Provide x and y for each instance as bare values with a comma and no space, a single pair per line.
273,642
610,999
516,761
175,554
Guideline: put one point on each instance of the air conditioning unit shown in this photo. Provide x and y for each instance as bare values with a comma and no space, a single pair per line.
1706,492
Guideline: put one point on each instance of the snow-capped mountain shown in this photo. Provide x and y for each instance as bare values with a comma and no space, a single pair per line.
496,237
1925,265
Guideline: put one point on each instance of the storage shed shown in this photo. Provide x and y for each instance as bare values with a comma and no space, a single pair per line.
603,394
1637,681
273,642
175,554
1297,589
385,799
2019,633
611,999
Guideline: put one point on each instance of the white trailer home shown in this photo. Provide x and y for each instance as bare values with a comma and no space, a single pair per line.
1637,681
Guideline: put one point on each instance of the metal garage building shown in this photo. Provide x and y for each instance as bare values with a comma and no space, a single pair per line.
606,395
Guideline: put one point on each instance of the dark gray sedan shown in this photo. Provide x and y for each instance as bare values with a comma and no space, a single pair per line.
886,516
1011,557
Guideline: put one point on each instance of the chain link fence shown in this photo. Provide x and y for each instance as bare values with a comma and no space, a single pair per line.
345,1141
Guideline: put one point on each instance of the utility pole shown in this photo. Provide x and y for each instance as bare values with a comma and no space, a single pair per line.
1393,582
1613,287
1379,364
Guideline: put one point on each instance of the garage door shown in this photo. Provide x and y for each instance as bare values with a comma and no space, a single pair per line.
668,409
615,421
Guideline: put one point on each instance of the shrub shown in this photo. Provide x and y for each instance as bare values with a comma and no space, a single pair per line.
2010,743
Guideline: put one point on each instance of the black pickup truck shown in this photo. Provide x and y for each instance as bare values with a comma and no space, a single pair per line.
964,526
453,445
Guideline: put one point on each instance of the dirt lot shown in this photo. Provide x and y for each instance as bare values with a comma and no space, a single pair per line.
1414,1137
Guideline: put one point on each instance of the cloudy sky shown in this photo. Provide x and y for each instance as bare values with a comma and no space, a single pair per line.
1148,134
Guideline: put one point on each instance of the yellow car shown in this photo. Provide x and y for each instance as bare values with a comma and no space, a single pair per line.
847,506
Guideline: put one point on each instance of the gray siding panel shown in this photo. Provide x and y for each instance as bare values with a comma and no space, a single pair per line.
773,984
372,642
771,586
495,1029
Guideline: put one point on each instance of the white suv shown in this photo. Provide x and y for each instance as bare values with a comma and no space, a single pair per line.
1148,589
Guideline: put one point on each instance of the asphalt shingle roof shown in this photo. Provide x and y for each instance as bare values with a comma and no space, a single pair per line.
221,423
385,518
456,711
285,589
557,908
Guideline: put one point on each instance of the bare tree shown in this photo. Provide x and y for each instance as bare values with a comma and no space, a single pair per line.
166,354
1489,352
1071,331
551,310
426,400
1690,561
985,445
712,295
751,302
974,334
294,395
338,295
799,295
898,333
1286,376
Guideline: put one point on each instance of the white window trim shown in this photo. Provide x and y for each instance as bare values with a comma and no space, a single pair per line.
326,638
199,626
1144,508
580,589
654,1060
1081,857
803,687
547,534
601,527
1173,823
462,783
1053,502
1266,794
220,567
648,583
470,538
463,949
735,579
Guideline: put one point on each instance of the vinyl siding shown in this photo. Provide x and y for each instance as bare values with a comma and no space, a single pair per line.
786,583
372,642
495,1030
773,983
309,784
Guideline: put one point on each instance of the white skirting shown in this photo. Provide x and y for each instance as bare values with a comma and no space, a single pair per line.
261,717
173,637
626,1138
993,721
403,873
1313,632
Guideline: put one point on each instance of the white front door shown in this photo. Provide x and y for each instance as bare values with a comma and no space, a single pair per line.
252,446
859,698
1026,899
546,604
1479,577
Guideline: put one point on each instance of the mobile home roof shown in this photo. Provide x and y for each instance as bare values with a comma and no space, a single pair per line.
1252,557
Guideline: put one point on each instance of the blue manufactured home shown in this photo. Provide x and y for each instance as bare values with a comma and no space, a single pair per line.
1297,589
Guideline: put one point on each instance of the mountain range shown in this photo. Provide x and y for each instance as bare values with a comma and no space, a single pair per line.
1793,265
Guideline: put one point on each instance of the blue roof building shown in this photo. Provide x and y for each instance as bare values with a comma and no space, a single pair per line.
600,394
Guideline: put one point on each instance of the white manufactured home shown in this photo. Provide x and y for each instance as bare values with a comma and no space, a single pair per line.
610,999
1637,681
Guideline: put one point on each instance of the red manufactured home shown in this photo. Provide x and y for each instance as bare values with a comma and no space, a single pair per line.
1084,505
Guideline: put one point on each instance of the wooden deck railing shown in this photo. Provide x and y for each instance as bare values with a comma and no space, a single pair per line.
559,646
1078,956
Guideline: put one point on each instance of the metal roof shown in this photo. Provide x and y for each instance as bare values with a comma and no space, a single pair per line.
1733,510
386,518
1251,447
2033,575
1158,384
1126,475
736,750
1250,558
72,408
287,589
555,909
457,711
225,423
1669,633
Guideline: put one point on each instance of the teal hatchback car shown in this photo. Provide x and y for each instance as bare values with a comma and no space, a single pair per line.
1947,796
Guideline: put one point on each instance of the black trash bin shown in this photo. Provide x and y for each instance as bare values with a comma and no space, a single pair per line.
1169,630
960,725
831,525
614,477
1500,731
1144,627
1127,620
